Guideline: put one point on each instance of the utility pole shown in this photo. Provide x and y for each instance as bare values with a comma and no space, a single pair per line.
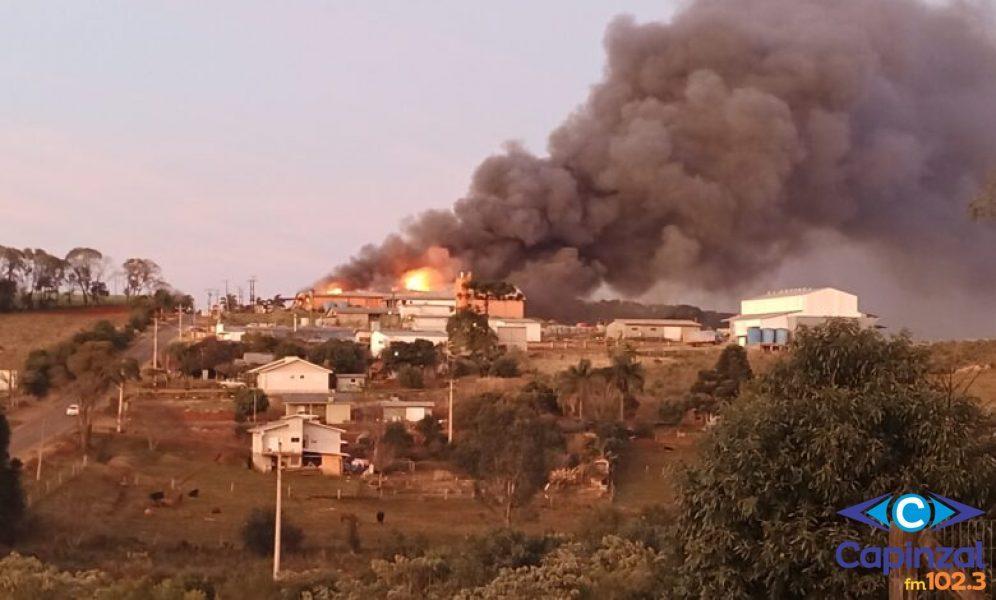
449,418
155,342
252,290
276,527
41,447
179,312
120,404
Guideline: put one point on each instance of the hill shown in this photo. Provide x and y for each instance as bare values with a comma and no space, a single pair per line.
22,332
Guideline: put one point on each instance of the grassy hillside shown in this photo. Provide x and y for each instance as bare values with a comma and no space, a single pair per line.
20,333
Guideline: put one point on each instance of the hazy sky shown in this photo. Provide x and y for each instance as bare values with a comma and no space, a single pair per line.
229,139
239,138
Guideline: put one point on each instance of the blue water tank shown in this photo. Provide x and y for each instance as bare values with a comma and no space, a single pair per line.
753,336
782,337
767,336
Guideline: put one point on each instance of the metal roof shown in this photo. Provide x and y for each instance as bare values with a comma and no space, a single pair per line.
761,316
660,322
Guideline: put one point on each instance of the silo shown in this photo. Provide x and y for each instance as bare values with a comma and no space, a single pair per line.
767,336
753,336
782,337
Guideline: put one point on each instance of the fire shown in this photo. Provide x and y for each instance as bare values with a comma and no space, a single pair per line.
333,289
421,280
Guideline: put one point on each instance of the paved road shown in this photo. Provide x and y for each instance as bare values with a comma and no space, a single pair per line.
47,418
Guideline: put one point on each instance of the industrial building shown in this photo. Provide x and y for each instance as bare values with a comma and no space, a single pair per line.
671,330
770,319
509,306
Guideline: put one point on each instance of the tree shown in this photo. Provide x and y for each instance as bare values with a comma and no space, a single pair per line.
37,378
11,494
342,356
257,533
8,295
514,465
577,383
420,353
93,369
83,265
627,376
847,416
124,370
713,386
429,430
141,276
470,335
397,438
411,377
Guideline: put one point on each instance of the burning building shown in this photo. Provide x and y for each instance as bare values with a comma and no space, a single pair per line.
495,299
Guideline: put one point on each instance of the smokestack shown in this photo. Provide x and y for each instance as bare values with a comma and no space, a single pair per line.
723,142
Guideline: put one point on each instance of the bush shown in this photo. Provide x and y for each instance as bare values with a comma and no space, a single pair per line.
505,366
257,533
411,377
465,367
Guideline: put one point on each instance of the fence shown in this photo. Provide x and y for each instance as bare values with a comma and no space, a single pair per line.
38,489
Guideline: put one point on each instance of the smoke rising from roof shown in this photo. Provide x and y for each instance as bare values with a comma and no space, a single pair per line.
721,143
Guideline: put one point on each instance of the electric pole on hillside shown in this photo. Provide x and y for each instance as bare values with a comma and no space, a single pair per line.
41,450
155,342
276,520
449,418
252,290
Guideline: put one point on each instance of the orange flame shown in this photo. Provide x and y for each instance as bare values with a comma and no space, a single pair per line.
424,279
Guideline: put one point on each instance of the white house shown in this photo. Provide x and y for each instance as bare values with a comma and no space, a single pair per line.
534,329
672,330
379,340
411,411
231,333
292,375
771,318
301,442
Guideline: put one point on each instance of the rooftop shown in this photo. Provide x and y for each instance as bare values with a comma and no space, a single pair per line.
660,322
789,292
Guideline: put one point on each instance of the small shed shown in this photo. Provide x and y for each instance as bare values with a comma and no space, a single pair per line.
411,411
350,382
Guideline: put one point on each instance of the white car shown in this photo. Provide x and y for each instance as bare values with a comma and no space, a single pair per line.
73,410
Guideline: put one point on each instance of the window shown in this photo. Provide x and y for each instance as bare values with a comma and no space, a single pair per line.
295,440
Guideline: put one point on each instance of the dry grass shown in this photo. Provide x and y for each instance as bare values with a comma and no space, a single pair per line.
20,333
99,519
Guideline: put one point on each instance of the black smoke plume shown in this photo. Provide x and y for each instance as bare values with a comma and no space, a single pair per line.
717,144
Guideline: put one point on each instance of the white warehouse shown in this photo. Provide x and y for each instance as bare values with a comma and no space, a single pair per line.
772,317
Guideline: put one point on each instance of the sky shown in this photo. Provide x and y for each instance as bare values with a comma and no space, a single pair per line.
231,139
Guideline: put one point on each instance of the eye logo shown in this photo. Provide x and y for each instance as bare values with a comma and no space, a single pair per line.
910,512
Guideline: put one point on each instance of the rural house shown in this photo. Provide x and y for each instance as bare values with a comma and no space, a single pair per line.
292,375
412,411
301,442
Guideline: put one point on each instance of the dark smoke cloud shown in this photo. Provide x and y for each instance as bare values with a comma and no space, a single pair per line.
718,144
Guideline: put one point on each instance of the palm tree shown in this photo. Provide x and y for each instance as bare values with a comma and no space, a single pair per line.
627,376
577,381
